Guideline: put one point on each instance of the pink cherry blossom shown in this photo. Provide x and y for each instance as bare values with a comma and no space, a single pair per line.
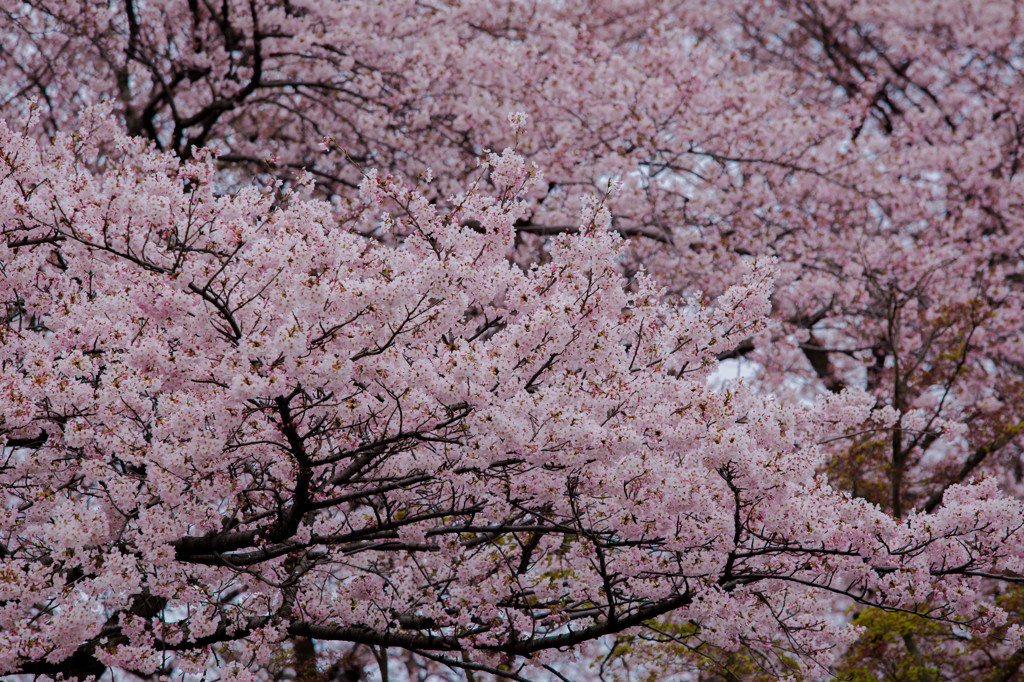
291,356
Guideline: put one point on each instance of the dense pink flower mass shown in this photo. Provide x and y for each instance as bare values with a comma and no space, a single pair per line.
302,376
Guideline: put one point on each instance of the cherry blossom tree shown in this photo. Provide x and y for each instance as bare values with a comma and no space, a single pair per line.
290,355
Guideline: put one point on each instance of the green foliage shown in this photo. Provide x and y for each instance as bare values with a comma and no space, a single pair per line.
904,647
886,650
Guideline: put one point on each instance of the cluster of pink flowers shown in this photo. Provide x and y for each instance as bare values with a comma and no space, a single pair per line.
289,354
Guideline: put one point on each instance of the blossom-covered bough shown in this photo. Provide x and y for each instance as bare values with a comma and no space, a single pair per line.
288,356
229,420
